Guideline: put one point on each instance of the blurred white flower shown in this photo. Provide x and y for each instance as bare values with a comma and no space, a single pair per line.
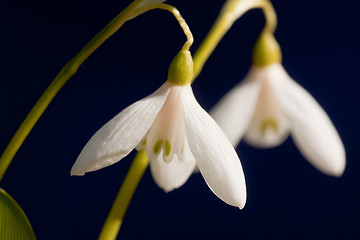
176,134
269,105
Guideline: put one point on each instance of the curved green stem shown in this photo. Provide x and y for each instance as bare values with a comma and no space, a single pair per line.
122,201
179,18
64,75
231,11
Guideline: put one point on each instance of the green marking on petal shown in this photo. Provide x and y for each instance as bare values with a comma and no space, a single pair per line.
143,143
157,146
167,148
269,123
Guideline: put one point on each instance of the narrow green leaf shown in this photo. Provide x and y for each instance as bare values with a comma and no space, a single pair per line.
14,224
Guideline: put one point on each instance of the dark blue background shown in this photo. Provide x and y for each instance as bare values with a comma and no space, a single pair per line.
287,197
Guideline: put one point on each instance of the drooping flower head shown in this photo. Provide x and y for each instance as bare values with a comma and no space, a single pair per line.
269,105
176,133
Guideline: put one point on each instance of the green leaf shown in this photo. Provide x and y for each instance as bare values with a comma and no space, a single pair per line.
14,224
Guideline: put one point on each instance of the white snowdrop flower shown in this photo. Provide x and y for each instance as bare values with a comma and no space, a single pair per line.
269,105
176,133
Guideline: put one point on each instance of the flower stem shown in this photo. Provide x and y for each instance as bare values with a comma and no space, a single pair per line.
179,18
231,11
64,75
126,192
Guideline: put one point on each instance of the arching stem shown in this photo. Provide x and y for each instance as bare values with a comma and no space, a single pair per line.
232,10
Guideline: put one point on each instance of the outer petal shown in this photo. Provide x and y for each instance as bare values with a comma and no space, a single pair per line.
214,154
234,111
312,130
171,175
120,135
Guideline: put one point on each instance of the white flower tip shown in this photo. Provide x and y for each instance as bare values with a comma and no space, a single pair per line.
240,197
74,172
171,184
234,198
82,165
78,169
168,189
338,173
242,200
332,165
337,169
331,160
237,198
242,203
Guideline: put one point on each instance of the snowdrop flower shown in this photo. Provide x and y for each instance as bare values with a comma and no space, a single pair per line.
176,134
269,105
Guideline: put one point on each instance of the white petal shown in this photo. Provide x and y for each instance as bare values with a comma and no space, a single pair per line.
235,110
214,154
312,130
171,175
269,126
120,135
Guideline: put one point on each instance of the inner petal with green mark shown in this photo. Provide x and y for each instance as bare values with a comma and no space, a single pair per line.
166,136
269,126
267,112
